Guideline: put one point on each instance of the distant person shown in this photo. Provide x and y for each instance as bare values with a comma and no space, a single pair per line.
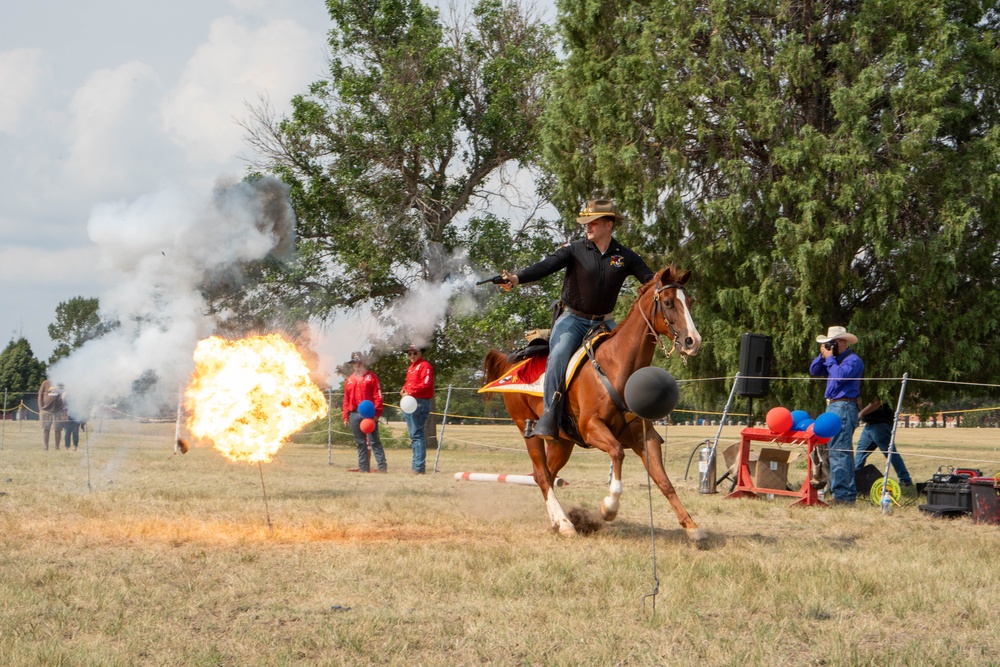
843,368
49,407
62,415
363,385
71,425
878,419
420,385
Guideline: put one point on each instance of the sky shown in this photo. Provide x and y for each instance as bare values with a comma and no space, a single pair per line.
110,101
121,156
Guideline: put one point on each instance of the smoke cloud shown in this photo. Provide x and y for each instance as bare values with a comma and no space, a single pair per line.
168,248
164,248
412,319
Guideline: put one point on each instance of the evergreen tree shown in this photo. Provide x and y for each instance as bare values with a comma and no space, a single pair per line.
813,163
20,372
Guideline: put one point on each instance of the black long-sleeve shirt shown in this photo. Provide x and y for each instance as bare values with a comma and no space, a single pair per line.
593,280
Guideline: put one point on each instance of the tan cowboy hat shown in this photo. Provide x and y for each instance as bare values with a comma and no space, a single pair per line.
596,209
837,332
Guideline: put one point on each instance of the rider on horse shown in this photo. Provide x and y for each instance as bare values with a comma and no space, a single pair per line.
596,268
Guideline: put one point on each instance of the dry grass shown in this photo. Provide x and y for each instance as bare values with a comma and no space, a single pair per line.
168,560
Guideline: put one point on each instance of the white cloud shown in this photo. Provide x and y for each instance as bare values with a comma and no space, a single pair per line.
236,65
114,127
21,75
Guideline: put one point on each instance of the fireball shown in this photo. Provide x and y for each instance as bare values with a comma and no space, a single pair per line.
247,396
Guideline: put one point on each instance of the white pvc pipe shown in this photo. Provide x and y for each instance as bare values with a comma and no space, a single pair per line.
523,480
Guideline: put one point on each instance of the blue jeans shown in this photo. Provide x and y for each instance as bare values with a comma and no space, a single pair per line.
567,334
415,423
878,435
841,449
362,441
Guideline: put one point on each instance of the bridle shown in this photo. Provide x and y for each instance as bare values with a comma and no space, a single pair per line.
658,306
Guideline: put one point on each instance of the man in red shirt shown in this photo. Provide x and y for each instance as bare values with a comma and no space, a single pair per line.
363,385
420,385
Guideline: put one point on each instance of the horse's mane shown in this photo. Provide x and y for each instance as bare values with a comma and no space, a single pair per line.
495,365
666,275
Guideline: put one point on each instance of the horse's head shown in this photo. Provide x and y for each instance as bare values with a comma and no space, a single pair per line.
670,309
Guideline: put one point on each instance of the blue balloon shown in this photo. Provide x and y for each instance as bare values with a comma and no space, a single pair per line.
803,424
799,415
366,409
827,425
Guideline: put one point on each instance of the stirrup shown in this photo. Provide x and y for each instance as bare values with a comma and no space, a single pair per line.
549,424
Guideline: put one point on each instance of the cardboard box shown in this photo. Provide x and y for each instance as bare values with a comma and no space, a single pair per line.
771,468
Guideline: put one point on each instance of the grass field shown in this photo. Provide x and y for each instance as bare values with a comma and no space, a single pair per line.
129,555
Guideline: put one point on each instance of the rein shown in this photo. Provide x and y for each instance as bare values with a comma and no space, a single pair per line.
657,307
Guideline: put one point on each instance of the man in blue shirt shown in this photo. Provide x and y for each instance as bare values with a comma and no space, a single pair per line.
843,368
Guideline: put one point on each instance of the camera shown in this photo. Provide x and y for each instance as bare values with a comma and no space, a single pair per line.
830,345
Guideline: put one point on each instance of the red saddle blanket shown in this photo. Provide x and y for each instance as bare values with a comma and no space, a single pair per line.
523,378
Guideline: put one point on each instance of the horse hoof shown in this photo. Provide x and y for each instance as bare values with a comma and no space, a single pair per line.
606,514
566,528
698,536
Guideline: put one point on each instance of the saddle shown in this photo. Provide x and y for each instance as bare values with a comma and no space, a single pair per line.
530,356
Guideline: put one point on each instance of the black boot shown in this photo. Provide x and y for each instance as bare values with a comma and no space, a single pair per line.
548,424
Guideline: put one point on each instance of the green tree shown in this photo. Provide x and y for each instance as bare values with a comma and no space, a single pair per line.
385,155
77,321
20,372
814,163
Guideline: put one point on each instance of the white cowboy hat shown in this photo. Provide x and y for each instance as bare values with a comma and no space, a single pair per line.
837,332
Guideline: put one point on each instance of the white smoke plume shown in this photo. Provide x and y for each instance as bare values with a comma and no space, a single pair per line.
162,248
412,319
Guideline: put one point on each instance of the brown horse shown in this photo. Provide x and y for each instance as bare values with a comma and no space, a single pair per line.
661,309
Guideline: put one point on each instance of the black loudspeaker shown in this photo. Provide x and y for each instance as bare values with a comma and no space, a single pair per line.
865,477
755,365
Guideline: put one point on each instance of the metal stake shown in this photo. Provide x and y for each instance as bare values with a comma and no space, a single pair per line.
86,445
892,437
652,532
267,510
329,426
3,413
177,426
444,422
722,422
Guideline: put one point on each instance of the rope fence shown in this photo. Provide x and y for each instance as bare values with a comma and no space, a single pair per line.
465,407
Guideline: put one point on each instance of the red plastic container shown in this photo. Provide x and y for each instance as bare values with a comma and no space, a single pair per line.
985,499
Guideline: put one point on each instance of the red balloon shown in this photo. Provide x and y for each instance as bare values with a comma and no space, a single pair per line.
779,420
367,425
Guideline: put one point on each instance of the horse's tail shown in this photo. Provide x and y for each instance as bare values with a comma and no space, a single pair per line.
495,365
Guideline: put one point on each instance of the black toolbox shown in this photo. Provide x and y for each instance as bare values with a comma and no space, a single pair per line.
950,494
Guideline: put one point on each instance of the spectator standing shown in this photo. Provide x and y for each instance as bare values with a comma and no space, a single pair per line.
49,408
843,368
71,426
363,385
420,385
878,419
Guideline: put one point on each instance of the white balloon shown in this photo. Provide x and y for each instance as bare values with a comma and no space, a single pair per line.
408,404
